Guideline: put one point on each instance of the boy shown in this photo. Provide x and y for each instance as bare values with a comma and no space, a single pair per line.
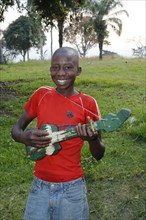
58,191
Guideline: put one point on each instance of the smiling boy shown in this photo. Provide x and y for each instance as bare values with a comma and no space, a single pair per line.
58,191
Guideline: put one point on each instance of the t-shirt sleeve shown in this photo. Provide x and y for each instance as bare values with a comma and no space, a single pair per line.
93,110
31,106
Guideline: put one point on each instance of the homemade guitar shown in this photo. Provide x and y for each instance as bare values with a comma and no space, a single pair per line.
110,122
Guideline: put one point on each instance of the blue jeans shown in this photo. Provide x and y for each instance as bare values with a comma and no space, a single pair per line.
57,201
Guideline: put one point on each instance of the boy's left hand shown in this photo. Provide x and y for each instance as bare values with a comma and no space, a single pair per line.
85,132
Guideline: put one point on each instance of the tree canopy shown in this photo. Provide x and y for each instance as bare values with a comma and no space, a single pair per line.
100,11
80,32
5,4
57,13
56,10
22,34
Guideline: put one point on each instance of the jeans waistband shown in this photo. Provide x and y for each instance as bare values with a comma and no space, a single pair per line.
62,185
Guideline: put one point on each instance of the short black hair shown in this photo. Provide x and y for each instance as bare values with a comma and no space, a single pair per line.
66,51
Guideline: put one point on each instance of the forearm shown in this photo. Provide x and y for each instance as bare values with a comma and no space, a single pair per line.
97,148
18,134
33,137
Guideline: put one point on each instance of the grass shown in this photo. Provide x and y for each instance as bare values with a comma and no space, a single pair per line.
116,183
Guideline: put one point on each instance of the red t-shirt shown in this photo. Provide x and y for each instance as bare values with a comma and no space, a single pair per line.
64,112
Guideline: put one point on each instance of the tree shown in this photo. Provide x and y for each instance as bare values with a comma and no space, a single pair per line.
5,4
32,13
80,32
21,35
100,10
56,10
2,57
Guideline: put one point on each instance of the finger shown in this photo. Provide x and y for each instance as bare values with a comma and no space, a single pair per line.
42,133
82,130
42,142
79,129
41,145
36,133
90,132
44,138
89,119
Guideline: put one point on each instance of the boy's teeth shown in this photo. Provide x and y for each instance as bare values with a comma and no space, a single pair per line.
61,81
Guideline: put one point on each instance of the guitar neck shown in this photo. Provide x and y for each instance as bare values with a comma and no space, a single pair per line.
70,133
110,122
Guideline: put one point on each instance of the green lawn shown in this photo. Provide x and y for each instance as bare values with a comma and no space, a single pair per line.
116,183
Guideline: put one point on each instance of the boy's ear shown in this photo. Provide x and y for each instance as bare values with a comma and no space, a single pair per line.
79,71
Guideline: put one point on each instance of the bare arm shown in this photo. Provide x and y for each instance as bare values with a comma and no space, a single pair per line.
96,146
34,137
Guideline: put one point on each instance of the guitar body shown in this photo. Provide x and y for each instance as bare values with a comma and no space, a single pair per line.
110,122
37,154
34,153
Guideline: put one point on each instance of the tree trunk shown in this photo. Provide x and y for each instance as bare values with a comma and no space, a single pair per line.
60,29
23,55
41,48
51,40
2,57
100,49
28,55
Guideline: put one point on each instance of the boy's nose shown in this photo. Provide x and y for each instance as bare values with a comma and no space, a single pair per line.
61,71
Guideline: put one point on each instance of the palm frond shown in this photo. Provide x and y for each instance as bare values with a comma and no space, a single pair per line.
114,4
115,24
109,5
120,12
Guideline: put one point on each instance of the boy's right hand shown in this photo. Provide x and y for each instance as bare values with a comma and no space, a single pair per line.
37,138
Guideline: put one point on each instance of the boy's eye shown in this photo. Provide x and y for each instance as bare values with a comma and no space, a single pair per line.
65,68
68,68
55,68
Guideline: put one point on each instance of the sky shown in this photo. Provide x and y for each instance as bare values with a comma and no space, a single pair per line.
133,33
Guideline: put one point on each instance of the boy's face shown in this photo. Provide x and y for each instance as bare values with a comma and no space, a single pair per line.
64,70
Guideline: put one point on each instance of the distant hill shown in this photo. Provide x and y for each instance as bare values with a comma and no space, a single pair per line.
107,53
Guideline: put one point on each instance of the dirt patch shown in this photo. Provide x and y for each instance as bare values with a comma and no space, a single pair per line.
6,93
4,113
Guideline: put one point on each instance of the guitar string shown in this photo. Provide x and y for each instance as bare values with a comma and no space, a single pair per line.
81,106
